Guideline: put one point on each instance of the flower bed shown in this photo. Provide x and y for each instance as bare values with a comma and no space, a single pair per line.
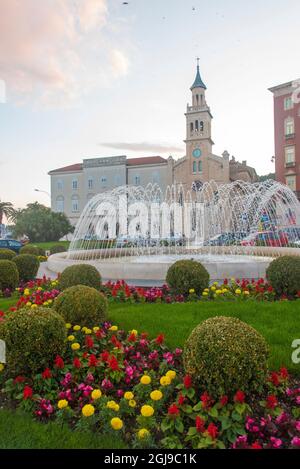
109,380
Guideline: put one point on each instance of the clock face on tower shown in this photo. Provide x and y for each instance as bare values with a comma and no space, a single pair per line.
197,153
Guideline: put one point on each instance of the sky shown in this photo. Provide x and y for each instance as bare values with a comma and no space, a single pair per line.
97,78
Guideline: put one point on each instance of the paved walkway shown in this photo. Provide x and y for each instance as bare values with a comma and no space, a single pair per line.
43,270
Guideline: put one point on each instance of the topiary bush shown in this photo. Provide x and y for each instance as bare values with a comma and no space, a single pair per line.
82,305
33,337
27,265
7,254
186,274
224,354
9,275
41,251
30,249
81,274
284,275
57,248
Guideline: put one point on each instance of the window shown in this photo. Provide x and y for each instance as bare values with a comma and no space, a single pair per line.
60,185
200,166
201,126
90,183
104,180
197,99
289,126
290,154
291,182
155,177
288,103
75,204
194,166
60,204
192,127
137,180
196,126
75,184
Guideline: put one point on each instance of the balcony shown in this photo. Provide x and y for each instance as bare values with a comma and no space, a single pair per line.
290,164
289,136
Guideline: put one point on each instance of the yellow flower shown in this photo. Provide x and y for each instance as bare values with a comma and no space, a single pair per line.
50,301
28,303
62,404
171,374
116,423
165,381
96,394
113,405
191,290
34,306
96,329
45,303
246,292
26,292
39,289
134,332
132,403
143,433
68,325
77,328
1,367
71,338
75,346
206,289
238,291
216,283
156,395
213,288
113,328
88,410
83,329
147,411
204,293
224,290
88,331
219,292
128,395
145,379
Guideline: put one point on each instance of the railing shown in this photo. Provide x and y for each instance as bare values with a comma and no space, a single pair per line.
290,164
289,136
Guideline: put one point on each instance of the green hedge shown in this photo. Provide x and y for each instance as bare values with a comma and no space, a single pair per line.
284,275
27,265
31,249
80,274
7,254
9,275
185,275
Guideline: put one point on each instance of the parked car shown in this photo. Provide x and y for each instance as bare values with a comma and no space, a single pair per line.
266,238
11,244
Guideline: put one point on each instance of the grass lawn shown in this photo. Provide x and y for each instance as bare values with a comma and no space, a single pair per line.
6,303
278,322
48,245
20,431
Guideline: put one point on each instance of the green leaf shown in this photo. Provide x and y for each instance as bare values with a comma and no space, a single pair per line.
197,407
179,425
192,431
213,412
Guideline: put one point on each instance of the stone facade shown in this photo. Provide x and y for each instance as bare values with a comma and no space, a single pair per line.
72,186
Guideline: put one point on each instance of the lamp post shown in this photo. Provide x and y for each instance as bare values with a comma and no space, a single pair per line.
44,192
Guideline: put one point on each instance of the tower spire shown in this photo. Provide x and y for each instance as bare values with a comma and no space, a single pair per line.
198,83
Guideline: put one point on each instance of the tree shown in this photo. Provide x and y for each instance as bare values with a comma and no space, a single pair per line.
7,210
40,224
266,177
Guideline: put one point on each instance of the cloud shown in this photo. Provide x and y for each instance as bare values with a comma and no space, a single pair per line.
143,146
56,49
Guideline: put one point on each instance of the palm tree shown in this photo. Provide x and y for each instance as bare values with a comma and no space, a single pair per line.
7,209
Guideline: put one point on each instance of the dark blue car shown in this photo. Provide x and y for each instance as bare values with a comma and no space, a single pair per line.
11,244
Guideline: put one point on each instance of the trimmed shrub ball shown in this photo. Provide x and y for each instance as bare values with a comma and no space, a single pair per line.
31,249
27,265
284,275
7,254
80,274
186,274
224,354
57,248
9,275
33,337
82,305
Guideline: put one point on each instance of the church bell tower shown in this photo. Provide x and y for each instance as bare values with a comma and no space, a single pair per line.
198,133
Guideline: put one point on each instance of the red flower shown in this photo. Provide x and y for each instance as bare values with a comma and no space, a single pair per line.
225,281
181,399
187,382
59,363
223,400
46,374
274,378
271,402
27,392
116,342
132,338
212,430
284,373
76,363
113,363
89,341
256,445
19,379
173,410
105,356
239,397
99,334
93,360
270,289
199,424
206,400
160,339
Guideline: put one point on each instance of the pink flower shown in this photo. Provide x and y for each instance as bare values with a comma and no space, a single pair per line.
296,441
275,442
297,425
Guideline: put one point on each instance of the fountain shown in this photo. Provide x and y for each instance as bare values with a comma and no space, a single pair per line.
234,230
